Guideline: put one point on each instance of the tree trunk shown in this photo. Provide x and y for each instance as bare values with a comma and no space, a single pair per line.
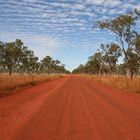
100,70
131,75
126,56
10,70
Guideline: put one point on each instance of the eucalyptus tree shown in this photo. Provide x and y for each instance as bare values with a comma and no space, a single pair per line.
29,62
46,64
95,63
111,53
122,26
49,65
79,69
54,66
10,54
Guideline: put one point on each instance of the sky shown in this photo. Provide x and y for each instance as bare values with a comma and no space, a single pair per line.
62,29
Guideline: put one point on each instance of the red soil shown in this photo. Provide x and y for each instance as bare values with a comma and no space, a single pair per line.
71,108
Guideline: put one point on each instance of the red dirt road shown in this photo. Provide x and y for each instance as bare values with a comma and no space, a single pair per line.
71,108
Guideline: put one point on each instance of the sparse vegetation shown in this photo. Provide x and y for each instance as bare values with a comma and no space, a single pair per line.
119,82
16,81
15,57
106,59
19,67
104,65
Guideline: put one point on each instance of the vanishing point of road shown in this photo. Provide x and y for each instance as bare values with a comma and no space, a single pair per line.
70,108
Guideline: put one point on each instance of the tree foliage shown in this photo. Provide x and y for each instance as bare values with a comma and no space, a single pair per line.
105,61
15,57
123,27
10,54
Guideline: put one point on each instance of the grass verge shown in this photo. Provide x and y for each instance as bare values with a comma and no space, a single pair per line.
9,84
120,82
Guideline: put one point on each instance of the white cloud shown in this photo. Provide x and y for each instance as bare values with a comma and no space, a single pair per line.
41,44
131,6
104,18
112,3
97,2
48,26
31,1
112,11
67,5
109,3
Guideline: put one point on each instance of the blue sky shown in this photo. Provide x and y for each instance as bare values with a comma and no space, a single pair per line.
60,28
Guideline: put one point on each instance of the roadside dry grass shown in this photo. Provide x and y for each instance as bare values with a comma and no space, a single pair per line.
14,82
120,82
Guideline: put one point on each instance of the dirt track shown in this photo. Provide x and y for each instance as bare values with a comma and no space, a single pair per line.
71,108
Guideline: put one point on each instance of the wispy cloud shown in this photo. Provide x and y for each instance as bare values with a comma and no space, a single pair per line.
48,25
46,14
105,2
42,44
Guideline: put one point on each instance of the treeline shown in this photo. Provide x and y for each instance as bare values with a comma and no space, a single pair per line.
127,48
17,58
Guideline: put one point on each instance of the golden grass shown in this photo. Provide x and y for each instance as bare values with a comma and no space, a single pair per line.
16,81
120,82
